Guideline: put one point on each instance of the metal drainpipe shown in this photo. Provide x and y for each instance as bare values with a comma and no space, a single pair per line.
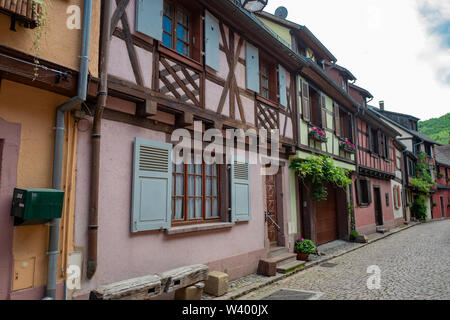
53,247
96,139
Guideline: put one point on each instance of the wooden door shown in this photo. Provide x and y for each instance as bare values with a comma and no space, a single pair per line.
326,218
271,201
377,205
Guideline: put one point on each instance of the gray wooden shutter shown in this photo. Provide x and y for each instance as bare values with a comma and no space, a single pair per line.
211,41
282,85
337,119
306,110
240,190
358,191
369,132
369,191
380,143
323,111
152,186
252,67
149,18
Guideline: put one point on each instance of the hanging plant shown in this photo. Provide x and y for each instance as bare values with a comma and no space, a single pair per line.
423,180
320,171
40,14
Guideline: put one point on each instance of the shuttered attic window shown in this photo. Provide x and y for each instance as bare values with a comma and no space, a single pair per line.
21,11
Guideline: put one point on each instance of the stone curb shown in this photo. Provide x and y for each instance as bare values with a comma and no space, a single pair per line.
246,290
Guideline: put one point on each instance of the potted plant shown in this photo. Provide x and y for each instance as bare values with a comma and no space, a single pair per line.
348,146
303,248
353,235
318,135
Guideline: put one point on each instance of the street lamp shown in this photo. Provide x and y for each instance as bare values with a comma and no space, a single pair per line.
254,5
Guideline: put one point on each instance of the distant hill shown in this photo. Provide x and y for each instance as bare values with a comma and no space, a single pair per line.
437,129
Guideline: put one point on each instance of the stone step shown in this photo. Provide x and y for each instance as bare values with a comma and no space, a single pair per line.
282,258
277,251
382,229
290,267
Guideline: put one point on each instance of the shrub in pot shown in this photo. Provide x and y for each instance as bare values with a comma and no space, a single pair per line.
303,248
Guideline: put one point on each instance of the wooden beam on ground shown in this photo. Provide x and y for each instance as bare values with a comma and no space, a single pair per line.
183,277
142,288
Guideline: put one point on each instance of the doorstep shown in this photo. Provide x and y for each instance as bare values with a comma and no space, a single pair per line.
247,284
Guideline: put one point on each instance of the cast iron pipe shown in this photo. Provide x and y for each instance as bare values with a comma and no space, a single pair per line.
53,247
96,139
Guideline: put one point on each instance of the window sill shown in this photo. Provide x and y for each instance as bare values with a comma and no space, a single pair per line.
179,57
198,228
270,103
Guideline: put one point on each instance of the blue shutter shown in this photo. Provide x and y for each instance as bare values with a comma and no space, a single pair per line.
152,186
252,67
211,41
240,191
149,18
282,85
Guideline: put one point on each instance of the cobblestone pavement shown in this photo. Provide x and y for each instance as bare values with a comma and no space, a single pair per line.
414,263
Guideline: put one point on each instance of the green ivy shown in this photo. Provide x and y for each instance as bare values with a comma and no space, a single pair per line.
419,208
319,171
423,180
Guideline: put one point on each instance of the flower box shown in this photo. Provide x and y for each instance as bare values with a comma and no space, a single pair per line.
318,135
348,147
23,11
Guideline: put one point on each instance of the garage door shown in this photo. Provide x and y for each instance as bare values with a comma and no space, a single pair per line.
326,218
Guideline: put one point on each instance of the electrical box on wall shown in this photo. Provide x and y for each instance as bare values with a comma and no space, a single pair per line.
36,206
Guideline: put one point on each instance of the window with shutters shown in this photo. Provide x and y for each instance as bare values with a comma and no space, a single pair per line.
374,141
268,79
346,125
316,110
363,191
181,25
195,193
386,148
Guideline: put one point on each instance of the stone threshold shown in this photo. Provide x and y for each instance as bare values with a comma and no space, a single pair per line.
270,280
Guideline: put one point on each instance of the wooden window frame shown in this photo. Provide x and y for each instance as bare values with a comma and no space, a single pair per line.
359,189
203,219
195,57
346,124
265,61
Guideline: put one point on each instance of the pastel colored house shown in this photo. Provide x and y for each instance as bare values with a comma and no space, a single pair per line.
28,105
172,63
442,196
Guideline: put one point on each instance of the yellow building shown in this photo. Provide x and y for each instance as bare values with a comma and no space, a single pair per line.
36,78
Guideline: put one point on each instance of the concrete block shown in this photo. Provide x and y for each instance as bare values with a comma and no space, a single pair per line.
189,293
362,239
217,283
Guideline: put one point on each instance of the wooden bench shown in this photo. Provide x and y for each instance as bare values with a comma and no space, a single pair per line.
147,287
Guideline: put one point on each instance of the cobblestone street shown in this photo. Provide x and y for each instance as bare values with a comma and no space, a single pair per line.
414,263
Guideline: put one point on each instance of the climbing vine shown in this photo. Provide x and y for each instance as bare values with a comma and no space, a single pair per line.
319,171
40,13
423,180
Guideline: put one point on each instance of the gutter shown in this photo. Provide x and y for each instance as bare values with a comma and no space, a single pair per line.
102,96
53,247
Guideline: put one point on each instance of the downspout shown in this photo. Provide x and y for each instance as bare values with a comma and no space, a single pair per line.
53,247
96,139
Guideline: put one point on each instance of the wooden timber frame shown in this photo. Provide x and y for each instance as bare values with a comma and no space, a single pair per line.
189,78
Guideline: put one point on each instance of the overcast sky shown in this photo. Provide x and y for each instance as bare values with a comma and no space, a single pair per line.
398,50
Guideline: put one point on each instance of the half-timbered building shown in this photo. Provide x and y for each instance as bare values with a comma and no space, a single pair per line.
374,207
173,63
323,106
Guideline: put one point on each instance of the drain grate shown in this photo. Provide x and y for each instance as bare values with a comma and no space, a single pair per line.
328,265
285,294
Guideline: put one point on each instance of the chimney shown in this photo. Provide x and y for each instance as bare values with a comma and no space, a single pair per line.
382,105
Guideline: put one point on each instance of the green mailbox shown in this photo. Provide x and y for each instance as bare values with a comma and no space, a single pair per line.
36,206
